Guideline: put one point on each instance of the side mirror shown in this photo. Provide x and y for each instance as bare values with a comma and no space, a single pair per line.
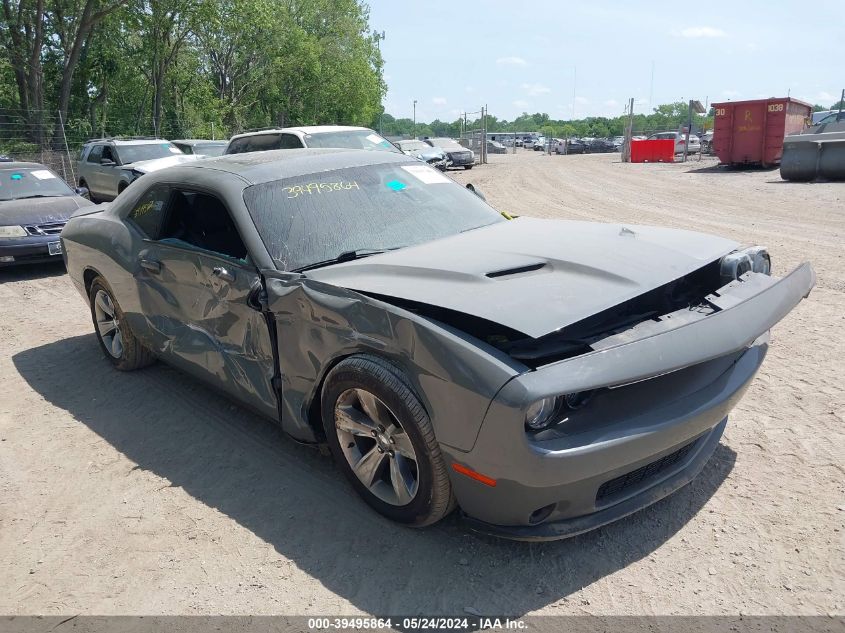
105,162
472,188
83,191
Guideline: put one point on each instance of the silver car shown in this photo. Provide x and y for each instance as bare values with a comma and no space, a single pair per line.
680,141
108,165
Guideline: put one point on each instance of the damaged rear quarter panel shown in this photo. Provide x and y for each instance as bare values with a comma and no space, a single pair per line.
319,324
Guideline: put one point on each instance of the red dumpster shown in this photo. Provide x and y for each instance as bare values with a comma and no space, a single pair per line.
653,151
751,132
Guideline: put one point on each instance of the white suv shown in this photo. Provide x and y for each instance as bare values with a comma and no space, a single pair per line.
680,140
333,136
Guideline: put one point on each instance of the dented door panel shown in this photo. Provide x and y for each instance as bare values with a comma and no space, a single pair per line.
209,325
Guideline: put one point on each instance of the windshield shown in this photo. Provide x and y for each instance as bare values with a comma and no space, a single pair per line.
409,146
316,217
351,139
35,182
210,149
145,151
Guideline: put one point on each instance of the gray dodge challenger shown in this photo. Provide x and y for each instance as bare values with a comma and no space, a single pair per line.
544,376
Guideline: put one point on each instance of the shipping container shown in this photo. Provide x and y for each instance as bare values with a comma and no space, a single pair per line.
752,132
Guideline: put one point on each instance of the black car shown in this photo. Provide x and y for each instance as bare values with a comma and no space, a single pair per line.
34,206
572,146
601,145
458,155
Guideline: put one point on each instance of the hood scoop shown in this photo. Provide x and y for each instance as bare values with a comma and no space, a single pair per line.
517,270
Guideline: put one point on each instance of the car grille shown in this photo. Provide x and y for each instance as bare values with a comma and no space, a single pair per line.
460,157
53,228
643,473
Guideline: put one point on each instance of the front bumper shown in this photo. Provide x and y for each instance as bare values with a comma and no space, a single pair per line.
662,399
460,159
28,250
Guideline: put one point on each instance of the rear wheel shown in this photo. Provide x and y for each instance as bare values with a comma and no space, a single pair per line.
116,339
382,439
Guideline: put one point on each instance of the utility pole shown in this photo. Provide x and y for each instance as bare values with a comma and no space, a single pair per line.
415,119
629,133
379,37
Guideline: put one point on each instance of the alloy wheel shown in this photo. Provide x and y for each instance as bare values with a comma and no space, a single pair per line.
376,446
108,325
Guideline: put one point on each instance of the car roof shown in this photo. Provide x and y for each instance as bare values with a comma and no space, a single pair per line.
22,165
305,129
194,141
128,141
259,167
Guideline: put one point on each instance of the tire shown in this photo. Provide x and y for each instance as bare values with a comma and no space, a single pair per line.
413,490
468,167
116,340
91,197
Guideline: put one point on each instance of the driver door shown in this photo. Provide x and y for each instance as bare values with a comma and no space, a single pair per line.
200,295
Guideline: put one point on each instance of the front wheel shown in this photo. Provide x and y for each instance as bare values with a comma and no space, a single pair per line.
116,339
468,167
382,439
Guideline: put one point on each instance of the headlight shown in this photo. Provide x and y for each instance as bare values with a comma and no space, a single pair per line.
540,414
753,259
12,231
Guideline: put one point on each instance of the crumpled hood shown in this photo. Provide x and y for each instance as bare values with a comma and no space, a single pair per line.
533,276
146,166
40,210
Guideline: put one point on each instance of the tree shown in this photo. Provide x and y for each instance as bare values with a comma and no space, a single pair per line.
23,38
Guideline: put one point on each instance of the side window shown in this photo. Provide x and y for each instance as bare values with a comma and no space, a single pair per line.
203,221
290,141
95,154
237,146
263,142
186,149
108,154
148,213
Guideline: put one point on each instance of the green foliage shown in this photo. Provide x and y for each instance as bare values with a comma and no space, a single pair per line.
202,67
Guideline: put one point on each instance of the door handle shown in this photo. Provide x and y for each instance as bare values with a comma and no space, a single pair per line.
222,273
151,265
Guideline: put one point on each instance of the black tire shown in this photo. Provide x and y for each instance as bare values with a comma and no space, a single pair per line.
132,354
433,499
468,167
91,197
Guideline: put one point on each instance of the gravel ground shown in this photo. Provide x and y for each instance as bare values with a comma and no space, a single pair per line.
148,493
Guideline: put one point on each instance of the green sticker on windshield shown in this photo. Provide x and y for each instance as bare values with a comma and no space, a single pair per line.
17,176
396,185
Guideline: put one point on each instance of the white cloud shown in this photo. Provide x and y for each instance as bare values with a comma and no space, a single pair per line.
511,61
439,101
581,100
825,98
535,90
611,103
519,103
702,31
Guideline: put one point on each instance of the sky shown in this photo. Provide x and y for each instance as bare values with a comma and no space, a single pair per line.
589,58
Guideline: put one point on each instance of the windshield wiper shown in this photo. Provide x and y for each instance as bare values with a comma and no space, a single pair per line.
38,195
345,256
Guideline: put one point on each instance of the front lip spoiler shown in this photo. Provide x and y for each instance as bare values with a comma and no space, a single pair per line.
568,528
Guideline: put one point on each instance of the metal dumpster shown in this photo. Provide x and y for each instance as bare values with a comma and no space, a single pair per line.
752,132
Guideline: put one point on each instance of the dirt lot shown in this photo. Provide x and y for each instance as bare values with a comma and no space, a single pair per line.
147,493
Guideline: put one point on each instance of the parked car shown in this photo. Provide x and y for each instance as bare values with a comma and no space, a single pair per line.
528,142
34,206
201,147
384,314
572,146
5,159
518,142
680,141
108,165
459,156
706,141
434,156
495,147
601,145
618,142
319,136
539,144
